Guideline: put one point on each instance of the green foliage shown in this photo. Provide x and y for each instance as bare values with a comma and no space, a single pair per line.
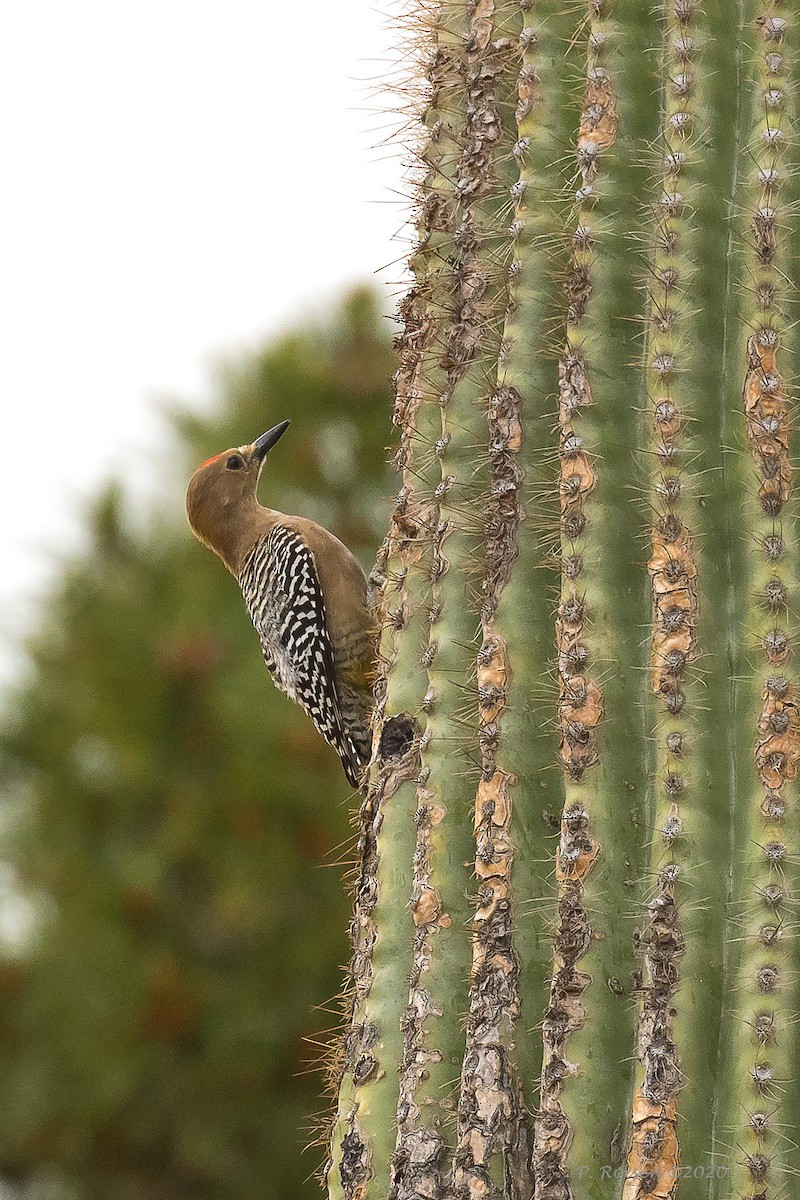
173,819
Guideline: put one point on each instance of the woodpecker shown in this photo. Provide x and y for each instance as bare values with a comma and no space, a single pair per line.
304,590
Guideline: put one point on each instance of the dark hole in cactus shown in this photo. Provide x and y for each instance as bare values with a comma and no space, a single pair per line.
397,737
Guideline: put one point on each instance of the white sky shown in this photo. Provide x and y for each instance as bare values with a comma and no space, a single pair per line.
180,178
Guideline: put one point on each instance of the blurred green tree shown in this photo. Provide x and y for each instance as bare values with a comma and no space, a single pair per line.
169,815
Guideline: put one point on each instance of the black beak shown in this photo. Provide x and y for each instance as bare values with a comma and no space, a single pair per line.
263,444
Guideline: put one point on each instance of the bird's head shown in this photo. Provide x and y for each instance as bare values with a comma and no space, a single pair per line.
223,490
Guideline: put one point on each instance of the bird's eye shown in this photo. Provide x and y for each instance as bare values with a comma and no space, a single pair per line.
234,463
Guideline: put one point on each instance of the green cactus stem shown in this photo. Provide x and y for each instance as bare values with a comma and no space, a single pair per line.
575,934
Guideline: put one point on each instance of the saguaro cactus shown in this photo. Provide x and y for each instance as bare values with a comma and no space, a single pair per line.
575,953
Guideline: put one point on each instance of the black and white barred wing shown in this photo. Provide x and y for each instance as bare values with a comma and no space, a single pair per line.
283,595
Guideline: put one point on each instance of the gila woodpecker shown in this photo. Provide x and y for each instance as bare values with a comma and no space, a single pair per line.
304,590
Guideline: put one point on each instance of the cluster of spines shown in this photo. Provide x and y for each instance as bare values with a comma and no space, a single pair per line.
767,916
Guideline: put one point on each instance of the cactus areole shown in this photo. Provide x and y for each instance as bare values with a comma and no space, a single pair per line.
575,968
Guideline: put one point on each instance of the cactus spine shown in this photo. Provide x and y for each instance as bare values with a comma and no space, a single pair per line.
575,953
